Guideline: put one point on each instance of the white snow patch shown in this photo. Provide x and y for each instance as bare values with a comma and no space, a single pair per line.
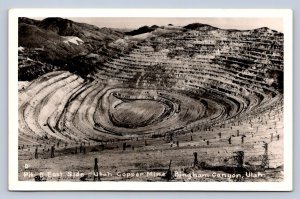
20,48
72,39
142,36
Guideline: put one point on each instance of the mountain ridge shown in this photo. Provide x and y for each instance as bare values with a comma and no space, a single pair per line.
83,48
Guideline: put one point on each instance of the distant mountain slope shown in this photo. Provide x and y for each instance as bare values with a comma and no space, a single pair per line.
62,44
86,32
199,26
31,35
59,42
142,30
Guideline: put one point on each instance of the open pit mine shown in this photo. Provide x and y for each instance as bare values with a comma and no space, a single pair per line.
159,103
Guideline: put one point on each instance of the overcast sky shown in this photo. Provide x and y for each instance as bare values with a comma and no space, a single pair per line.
226,23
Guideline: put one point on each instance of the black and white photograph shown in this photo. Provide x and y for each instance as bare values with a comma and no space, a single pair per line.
151,100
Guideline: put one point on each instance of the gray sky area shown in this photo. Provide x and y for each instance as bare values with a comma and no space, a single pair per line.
241,23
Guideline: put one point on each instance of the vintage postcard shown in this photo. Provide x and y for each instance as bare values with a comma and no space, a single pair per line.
150,99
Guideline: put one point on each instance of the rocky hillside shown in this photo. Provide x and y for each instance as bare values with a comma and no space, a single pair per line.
172,56
56,43
61,43
142,30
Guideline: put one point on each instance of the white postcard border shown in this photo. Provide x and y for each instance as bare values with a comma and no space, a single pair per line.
285,185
